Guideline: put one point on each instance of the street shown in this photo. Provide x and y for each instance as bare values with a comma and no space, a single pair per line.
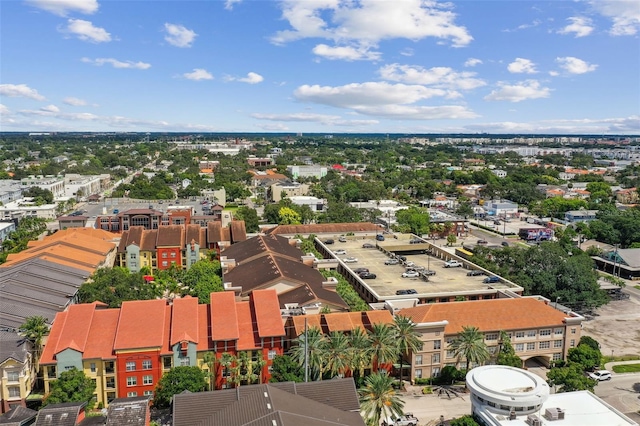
622,392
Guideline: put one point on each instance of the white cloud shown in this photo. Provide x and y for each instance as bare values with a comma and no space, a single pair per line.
533,24
528,89
629,125
579,26
407,51
314,118
228,4
554,73
74,101
365,23
625,15
85,31
273,127
415,112
116,63
4,109
472,62
251,78
198,74
522,66
63,7
348,53
50,108
178,35
20,91
442,77
575,66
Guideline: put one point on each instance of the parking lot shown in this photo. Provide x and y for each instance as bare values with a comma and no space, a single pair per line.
445,284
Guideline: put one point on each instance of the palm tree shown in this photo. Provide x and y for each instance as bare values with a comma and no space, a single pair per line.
34,329
209,359
359,351
227,360
407,338
470,345
311,344
384,349
337,353
378,399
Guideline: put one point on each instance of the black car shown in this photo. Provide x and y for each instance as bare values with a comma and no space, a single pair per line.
368,245
360,270
329,241
407,291
504,244
416,241
474,273
367,275
428,272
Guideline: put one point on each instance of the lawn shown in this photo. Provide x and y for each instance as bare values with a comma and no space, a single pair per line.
627,368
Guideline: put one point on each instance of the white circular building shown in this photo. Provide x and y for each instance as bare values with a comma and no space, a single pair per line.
506,390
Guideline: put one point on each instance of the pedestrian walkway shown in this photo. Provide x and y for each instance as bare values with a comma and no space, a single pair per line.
429,408
609,365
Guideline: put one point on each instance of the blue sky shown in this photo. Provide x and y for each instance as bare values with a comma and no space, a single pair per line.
327,66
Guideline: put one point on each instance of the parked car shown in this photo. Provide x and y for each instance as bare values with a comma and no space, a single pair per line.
360,270
474,273
504,244
492,279
340,251
600,375
428,272
116,211
368,245
367,276
391,262
329,241
407,291
409,264
350,259
416,241
342,239
452,264
407,420
410,274
380,237
482,242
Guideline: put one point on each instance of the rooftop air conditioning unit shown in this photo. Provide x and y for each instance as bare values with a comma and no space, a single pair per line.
533,420
554,413
512,415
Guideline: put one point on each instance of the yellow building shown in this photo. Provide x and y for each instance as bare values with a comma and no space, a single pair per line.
17,371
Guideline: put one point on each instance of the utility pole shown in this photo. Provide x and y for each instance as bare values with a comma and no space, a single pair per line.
306,352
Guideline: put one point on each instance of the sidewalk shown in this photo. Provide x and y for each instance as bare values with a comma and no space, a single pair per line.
609,365
429,408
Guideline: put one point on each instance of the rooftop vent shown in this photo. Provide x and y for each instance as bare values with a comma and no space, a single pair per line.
554,413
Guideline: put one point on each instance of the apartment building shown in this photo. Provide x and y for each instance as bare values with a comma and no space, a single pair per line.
127,350
537,330
17,371
55,184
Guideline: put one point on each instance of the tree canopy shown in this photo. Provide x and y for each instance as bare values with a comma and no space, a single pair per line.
177,380
72,386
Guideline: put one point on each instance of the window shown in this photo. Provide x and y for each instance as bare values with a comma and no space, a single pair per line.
146,364
436,371
131,366
491,336
544,345
492,349
418,359
166,362
557,343
557,357
109,367
111,396
519,334
435,358
451,354
449,340
110,382
437,344
14,392
185,361
132,381
418,374
165,263
573,343
519,347
558,331
573,331
92,367
133,256
173,254
271,354
132,394
546,332
531,346
531,333
148,393
147,380
164,255
13,376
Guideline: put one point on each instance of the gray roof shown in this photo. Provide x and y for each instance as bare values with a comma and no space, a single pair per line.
128,411
332,402
65,414
13,346
630,256
18,416
36,287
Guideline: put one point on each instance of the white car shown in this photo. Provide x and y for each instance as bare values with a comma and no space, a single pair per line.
452,264
340,251
350,260
600,375
410,274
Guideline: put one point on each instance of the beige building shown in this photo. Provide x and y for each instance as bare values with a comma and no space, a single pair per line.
17,372
537,330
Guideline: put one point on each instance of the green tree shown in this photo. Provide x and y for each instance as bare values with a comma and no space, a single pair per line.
337,354
285,369
209,359
407,338
40,196
464,421
570,378
384,348
288,216
203,278
451,239
34,329
250,217
414,220
311,344
359,352
506,353
72,386
378,399
470,345
116,285
589,341
585,356
177,380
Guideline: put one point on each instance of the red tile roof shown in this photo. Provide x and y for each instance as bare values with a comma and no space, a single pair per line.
76,327
266,306
224,318
51,344
102,334
141,325
249,338
488,315
204,327
184,321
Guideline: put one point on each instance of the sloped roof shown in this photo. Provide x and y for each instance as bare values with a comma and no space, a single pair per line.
128,411
102,334
13,346
488,315
630,256
326,403
224,318
248,338
171,236
323,228
238,231
18,416
184,320
214,232
341,321
137,315
262,245
65,414
265,306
